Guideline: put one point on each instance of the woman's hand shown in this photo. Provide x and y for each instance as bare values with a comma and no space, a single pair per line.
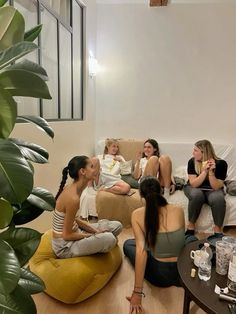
212,164
139,155
117,158
135,304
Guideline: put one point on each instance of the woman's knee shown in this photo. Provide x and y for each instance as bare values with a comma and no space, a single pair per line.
117,227
196,194
164,159
129,247
216,198
109,241
125,187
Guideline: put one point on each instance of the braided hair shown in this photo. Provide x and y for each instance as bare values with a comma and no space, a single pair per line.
73,167
150,190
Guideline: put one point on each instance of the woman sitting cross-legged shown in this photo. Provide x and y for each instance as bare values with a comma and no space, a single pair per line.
206,175
108,169
151,163
159,237
71,236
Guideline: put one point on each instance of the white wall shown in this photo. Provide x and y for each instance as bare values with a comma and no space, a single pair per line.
167,72
71,138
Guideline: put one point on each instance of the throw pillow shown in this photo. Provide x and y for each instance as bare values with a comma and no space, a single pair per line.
126,167
130,180
230,187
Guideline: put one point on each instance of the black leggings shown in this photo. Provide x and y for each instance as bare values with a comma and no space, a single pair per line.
161,274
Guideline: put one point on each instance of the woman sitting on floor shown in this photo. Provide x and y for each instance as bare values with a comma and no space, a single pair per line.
151,163
71,236
159,237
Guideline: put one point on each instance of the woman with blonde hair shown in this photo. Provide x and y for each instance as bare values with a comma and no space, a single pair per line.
108,169
206,175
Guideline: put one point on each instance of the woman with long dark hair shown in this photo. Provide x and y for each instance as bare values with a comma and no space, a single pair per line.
151,163
159,237
72,236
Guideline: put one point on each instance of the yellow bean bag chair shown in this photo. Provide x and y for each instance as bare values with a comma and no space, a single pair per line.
73,280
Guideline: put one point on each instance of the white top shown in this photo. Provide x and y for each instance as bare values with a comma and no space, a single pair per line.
142,164
109,165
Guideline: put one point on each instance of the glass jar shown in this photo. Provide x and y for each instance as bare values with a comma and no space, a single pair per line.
232,272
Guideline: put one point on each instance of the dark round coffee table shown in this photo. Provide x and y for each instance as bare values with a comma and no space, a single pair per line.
201,292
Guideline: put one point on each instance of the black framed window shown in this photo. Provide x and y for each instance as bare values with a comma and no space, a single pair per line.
61,54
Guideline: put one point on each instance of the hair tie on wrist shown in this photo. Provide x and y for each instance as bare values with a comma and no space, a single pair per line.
139,293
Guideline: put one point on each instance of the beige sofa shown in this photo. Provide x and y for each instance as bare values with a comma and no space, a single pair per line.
120,207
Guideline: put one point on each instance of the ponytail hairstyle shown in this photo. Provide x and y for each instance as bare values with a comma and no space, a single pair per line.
73,167
150,190
108,142
154,145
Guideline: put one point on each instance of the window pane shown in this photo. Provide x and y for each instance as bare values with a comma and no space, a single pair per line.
65,73
62,8
49,62
28,105
77,61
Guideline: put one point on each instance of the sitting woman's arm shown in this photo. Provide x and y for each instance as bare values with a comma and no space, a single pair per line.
86,227
137,170
68,234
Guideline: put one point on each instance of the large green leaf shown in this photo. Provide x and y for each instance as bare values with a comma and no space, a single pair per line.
8,112
9,268
31,151
30,67
40,122
38,201
12,27
2,2
16,178
27,213
24,83
15,52
30,282
18,302
42,198
6,213
33,33
23,240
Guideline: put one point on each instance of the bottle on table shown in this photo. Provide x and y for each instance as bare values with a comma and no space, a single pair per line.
204,269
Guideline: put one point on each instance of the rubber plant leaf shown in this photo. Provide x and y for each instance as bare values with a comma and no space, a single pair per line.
16,177
33,33
30,282
8,112
15,52
9,268
12,27
6,213
24,241
31,151
18,302
40,122
24,83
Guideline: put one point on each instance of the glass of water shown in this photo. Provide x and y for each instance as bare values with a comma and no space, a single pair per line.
204,269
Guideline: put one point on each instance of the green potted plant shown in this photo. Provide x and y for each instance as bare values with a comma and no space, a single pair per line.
20,202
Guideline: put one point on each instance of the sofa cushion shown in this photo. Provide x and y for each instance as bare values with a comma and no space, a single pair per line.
73,280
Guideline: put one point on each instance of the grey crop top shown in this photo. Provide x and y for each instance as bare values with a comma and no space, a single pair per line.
168,244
